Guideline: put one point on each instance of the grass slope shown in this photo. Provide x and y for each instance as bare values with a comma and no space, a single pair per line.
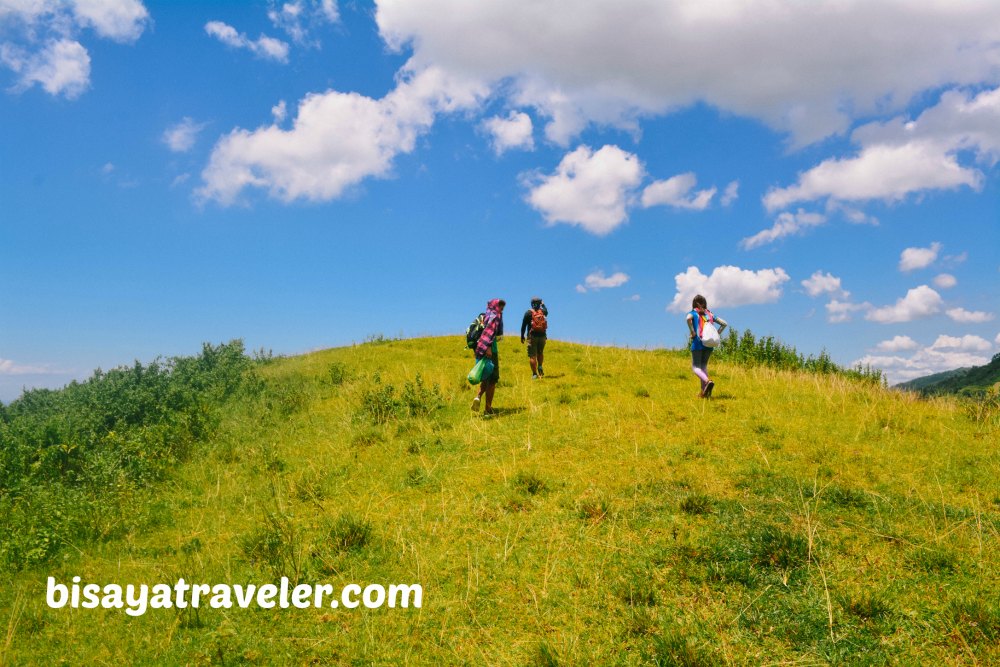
604,516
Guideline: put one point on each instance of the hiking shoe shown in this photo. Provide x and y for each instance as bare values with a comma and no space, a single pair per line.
475,404
708,389
541,373
534,377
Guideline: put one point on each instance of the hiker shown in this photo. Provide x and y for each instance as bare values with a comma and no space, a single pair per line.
696,320
536,326
487,347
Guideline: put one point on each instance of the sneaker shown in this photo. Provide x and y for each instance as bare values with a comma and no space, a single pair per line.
541,373
475,404
534,377
708,389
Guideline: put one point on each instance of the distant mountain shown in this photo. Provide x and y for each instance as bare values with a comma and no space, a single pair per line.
960,381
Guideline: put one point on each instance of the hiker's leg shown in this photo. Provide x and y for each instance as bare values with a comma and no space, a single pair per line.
697,367
541,357
534,365
490,388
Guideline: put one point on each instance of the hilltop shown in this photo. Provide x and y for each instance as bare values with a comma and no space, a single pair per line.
606,515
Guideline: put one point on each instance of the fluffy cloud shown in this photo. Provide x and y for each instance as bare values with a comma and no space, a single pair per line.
945,281
926,361
180,137
337,140
967,342
41,39
969,316
912,259
838,312
902,157
8,367
298,18
919,302
897,344
514,131
676,192
731,193
786,225
800,67
597,280
944,354
61,68
263,47
824,283
589,189
727,286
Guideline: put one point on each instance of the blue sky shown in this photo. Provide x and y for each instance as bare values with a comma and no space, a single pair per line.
306,174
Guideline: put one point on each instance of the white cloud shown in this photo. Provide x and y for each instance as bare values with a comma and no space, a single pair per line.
279,112
263,47
902,157
838,312
967,342
61,68
919,302
300,17
853,215
41,39
997,339
824,283
676,192
912,259
801,67
969,316
897,344
589,189
180,138
120,20
727,286
514,131
597,280
634,297
336,141
731,193
786,225
945,281
8,367
926,361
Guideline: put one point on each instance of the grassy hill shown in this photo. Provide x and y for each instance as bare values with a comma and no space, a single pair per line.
606,515
966,381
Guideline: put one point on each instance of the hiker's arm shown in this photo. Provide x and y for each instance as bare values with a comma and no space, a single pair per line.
722,324
525,323
691,331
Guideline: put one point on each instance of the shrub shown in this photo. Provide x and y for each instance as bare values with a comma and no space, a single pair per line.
530,483
349,533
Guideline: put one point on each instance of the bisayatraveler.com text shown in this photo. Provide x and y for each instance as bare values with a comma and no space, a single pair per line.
136,599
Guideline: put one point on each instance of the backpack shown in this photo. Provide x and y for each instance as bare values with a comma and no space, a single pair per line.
475,330
538,322
709,334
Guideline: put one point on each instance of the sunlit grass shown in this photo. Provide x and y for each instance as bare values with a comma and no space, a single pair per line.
606,515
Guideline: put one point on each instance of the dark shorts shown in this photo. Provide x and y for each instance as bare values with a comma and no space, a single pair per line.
536,345
494,377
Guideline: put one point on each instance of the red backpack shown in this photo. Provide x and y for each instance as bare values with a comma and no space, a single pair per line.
538,322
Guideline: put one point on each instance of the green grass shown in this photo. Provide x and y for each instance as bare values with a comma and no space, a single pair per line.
605,515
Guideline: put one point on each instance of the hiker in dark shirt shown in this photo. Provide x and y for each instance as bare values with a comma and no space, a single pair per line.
535,325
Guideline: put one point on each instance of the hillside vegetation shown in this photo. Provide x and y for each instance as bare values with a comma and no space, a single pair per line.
605,515
974,382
